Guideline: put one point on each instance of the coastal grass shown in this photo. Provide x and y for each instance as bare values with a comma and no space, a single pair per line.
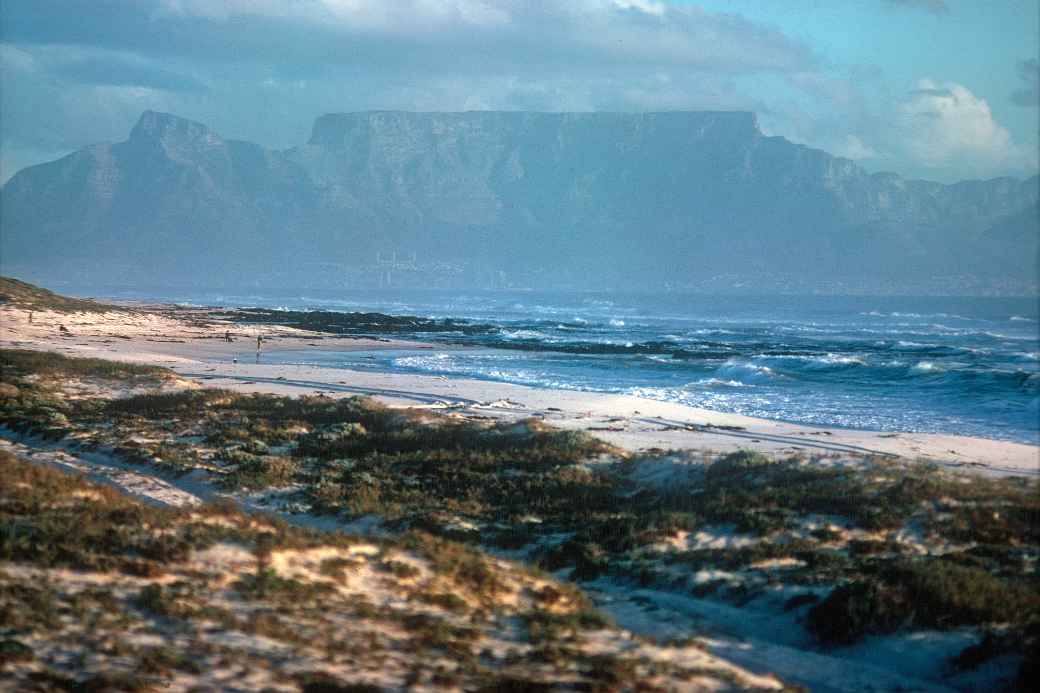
101,592
22,362
29,296
922,594
875,545
39,529
32,396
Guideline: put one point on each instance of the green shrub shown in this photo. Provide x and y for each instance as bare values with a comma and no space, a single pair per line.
259,472
545,626
28,295
445,600
322,682
12,651
49,363
851,611
946,595
400,569
128,682
922,594
736,464
155,405
163,660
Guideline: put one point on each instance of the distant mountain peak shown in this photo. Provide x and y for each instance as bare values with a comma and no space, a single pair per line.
334,129
166,128
546,199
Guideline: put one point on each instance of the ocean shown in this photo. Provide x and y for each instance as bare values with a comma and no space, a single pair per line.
967,366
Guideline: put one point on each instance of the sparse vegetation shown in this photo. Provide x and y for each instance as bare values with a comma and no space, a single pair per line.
22,362
937,594
878,546
196,615
27,295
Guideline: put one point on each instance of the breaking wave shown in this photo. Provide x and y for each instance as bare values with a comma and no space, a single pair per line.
956,366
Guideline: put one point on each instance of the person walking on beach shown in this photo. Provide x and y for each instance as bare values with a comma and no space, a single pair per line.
259,342
227,336
30,317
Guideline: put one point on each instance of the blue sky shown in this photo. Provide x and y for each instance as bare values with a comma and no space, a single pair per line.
938,89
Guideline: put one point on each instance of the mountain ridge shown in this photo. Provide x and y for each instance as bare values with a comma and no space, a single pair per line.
536,197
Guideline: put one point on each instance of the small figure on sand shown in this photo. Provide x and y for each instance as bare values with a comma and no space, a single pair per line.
259,342
227,336
30,317
63,329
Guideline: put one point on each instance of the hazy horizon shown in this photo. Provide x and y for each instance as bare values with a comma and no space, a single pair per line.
1022,176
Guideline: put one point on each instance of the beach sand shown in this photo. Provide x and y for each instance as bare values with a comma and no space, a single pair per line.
191,343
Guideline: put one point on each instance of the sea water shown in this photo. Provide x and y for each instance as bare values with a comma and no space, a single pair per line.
952,365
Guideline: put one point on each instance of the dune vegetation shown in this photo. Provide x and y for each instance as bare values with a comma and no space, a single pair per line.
846,548
16,292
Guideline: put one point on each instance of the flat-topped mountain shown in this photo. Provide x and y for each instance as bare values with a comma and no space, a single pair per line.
585,199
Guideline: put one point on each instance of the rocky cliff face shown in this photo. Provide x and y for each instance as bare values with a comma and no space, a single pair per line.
585,198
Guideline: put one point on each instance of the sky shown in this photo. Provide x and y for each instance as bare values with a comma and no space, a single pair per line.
938,89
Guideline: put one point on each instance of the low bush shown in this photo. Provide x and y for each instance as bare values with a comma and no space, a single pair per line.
259,471
49,364
12,651
154,406
445,600
851,611
736,464
922,594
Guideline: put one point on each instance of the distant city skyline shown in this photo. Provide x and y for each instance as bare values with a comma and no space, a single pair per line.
937,89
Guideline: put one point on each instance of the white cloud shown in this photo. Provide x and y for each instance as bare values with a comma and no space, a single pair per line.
943,124
647,6
854,148
262,70
938,130
554,34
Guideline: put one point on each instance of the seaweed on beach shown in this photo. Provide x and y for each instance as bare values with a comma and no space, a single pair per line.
334,322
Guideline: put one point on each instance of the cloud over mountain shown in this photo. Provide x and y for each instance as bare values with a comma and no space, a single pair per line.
80,71
944,123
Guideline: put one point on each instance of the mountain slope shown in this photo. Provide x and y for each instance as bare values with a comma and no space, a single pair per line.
591,199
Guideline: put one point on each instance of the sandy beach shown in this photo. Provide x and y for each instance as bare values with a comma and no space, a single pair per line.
741,584
191,343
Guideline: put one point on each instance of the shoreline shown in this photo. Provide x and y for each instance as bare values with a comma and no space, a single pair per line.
729,555
190,342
